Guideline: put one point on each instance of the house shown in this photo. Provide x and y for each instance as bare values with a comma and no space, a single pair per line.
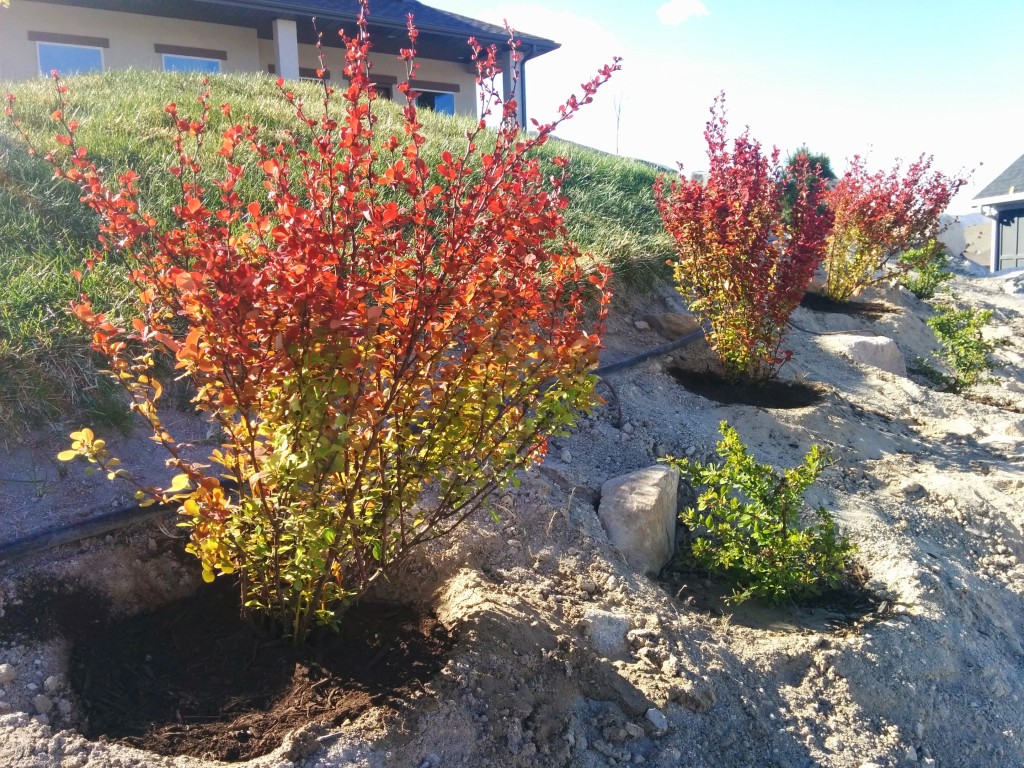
272,36
1003,202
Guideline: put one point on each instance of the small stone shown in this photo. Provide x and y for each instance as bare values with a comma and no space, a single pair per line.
566,457
634,730
614,734
588,586
911,754
151,545
691,450
628,428
911,488
641,325
919,730
833,743
32,687
53,683
7,673
657,718
42,704
607,632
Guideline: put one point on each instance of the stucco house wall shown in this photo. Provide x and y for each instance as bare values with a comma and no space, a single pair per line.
440,75
132,38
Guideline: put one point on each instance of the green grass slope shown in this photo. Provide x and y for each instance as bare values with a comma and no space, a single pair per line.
47,372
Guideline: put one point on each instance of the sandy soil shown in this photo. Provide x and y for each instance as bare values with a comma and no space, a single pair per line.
930,486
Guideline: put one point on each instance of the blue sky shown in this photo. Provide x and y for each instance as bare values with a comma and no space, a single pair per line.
886,78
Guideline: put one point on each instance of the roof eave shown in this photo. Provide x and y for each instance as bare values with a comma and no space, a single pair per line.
538,45
997,200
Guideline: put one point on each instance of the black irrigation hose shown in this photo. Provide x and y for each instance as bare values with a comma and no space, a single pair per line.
662,349
125,516
91,526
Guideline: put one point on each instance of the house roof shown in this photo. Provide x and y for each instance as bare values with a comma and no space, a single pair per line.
1009,182
442,34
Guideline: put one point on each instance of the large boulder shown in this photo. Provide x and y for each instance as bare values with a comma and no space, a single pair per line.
638,510
876,351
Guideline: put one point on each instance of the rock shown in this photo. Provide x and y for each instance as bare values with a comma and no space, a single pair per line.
43,704
588,586
911,754
566,457
1014,428
53,683
911,488
638,511
607,632
877,351
7,673
919,730
672,325
657,718
697,696
614,734
833,743
641,325
634,730
628,428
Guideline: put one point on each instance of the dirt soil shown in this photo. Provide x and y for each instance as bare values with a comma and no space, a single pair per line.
921,663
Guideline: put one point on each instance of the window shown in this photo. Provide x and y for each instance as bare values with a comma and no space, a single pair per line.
68,59
439,102
174,62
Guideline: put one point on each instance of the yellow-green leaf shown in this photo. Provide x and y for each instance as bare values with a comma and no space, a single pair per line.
67,455
179,483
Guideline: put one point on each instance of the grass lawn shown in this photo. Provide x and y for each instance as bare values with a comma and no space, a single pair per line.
47,371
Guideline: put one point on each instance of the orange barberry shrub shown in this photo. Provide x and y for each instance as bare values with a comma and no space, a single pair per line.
743,266
383,343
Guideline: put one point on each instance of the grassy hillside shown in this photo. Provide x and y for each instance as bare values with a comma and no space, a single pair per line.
46,370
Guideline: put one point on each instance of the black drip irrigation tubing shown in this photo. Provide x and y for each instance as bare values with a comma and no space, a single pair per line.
98,525
662,349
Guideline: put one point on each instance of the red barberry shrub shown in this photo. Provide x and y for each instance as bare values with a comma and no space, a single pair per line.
879,216
382,343
743,266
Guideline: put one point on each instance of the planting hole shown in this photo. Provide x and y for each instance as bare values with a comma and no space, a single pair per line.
193,678
773,393
819,302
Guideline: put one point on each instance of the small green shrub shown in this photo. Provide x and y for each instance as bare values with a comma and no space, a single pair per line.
751,516
964,350
929,267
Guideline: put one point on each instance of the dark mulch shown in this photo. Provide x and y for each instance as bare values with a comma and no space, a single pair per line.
849,604
773,393
193,678
819,302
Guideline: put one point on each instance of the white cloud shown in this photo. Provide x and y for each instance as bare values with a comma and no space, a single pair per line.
675,12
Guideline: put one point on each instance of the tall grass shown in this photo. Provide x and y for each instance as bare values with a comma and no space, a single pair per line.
48,373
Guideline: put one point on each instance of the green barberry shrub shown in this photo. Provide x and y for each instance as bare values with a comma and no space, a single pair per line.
930,269
746,525
964,349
